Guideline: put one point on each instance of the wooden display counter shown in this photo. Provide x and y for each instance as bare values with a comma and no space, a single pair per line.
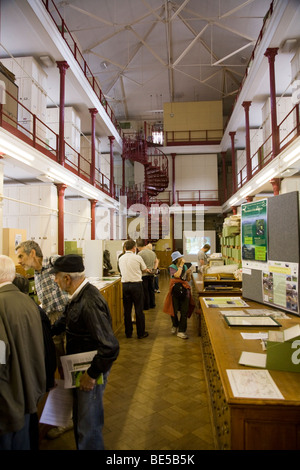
244,423
111,289
214,286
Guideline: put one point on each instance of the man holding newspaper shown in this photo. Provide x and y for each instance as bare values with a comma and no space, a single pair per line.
87,322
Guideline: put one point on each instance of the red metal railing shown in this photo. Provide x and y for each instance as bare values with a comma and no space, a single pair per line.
193,196
289,130
261,34
195,137
72,44
39,135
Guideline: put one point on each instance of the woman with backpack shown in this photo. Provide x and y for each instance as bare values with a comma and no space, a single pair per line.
179,298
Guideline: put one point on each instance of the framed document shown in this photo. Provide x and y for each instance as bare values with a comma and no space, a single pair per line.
253,320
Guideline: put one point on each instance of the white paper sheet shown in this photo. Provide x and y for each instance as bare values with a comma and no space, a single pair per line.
58,407
256,384
255,335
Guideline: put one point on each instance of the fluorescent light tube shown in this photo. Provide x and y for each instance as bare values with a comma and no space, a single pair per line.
246,191
266,176
62,177
295,152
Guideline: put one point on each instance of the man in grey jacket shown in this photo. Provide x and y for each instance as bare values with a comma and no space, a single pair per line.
22,360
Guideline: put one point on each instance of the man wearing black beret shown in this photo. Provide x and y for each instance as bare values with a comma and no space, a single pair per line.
88,326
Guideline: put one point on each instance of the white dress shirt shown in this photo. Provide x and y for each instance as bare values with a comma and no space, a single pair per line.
131,267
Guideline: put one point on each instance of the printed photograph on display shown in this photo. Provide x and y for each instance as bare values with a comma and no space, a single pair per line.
254,231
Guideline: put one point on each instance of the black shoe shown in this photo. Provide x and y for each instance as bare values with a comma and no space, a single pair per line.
128,336
144,335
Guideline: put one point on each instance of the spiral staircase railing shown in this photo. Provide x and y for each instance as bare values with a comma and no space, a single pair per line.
156,177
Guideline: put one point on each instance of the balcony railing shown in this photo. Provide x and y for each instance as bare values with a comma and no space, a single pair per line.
196,137
289,130
78,56
33,131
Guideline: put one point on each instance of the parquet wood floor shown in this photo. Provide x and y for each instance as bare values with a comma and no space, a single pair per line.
156,395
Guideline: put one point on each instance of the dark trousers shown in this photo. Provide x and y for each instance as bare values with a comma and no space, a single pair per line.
149,294
182,306
133,295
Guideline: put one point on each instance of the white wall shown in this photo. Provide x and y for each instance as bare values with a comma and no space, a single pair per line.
33,208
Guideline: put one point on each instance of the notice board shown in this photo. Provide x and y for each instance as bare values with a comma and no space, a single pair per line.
275,281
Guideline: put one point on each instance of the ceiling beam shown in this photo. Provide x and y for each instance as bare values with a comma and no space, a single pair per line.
179,10
236,9
190,46
169,51
233,53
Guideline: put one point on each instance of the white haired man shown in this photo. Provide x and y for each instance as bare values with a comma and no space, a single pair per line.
22,360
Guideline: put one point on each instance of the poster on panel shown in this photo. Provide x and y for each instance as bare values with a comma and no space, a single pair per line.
254,232
280,285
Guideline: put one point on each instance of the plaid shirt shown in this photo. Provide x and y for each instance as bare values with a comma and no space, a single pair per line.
51,297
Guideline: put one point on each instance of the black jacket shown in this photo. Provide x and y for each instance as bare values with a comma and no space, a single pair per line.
88,326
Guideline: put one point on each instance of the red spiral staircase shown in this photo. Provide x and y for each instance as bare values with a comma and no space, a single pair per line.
156,180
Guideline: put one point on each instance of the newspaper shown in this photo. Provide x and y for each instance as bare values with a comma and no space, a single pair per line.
74,365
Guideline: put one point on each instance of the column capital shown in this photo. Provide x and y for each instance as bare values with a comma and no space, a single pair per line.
62,65
246,105
93,202
271,52
93,111
61,187
276,182
111,138
173,155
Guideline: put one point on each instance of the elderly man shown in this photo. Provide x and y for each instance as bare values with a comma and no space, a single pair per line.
22,361
88,326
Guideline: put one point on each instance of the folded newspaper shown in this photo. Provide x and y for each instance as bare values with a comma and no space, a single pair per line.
74,365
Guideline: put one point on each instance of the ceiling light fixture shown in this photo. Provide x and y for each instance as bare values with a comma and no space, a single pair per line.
294,154
245,191
266,176
61,177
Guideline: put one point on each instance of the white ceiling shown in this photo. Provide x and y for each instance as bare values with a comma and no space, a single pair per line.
147,52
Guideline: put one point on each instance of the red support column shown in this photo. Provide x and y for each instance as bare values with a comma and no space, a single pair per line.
63,66
234,210
123,175
93,222
270,54
173,155
111,141
246,105
232,134
61,212
249,198
93,112
275,182
224,175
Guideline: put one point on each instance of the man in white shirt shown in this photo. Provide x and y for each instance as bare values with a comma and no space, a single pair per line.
131,268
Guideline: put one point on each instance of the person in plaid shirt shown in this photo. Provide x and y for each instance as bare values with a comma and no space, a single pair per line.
51,298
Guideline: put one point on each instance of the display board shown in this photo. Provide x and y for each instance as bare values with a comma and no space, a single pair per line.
274,280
